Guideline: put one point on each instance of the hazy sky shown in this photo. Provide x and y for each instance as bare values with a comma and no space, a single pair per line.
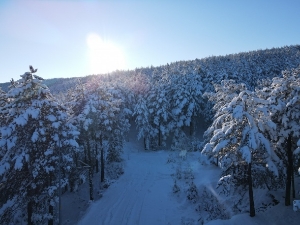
65,38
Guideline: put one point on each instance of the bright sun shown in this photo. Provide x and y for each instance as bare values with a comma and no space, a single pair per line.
104,55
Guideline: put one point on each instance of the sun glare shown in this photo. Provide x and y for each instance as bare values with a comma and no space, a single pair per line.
104,55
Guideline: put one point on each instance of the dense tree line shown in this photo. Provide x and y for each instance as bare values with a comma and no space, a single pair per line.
48,141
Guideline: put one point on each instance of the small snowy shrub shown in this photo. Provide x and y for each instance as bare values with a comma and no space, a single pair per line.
176,188
188,174
82,178
114,151
197,145
188,221
268,202
105,184
73,180
233,187
192,193
182,154
171,159
181,142
114,170
178,173
210,207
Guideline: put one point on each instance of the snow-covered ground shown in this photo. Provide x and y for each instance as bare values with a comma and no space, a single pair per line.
144,196
277,215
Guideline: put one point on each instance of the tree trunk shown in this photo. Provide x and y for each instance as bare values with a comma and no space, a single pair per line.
50,209
102,161
293,185
97,162
192,125
50,221
76,159
85,155
251,199
159,136
90,169
289,172
191,128
29,213
91,183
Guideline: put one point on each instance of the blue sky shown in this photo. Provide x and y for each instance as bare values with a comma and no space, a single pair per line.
78,38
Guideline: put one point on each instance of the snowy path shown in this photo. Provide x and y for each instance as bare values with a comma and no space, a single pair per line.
141,196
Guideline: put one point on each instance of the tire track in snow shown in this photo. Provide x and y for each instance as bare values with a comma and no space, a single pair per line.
134,207
117,207
140,197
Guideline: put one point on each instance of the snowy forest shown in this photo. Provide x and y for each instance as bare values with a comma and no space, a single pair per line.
57,134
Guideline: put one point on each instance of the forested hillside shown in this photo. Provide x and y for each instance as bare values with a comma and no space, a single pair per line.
54,134
247,67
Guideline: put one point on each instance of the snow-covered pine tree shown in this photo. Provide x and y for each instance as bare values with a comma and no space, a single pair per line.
112,123
185,94
35,135
120,125
83,118
139,85
3,101
3,97
152,110
101,115
142,120
237,135
284,97
75,101
158,103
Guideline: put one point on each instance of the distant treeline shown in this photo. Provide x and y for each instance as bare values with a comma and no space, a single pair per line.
246,67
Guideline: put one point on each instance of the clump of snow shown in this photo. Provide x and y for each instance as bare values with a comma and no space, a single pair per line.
49,169
56,125
33,112
51,190
48,152
4,167
238,112
11,142
2,143
298,143
220,145
6,205
34,136
21,120
51,118
272,167
296,205
246,153
19,162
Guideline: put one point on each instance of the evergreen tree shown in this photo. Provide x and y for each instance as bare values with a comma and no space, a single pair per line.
283,94
186,103
237,135
35,135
